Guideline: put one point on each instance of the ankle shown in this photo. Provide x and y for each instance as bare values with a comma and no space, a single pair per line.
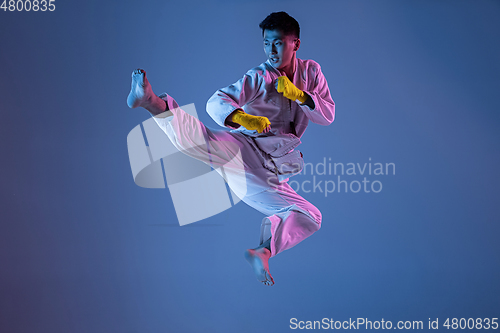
154,105
263,251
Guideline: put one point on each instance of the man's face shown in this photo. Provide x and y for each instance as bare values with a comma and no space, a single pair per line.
279,48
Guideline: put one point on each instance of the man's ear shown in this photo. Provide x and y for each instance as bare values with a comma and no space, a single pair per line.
297,45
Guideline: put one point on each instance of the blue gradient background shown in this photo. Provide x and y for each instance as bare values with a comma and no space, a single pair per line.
83,249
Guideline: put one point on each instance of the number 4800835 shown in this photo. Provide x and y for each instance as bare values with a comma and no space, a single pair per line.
28,5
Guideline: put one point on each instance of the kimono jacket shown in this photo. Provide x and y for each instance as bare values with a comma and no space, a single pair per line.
256,94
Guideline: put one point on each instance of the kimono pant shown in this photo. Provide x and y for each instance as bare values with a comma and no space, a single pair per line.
289,217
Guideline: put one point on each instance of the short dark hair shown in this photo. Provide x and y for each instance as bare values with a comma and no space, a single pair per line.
281,21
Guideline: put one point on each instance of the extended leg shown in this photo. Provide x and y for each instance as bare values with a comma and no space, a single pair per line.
141,94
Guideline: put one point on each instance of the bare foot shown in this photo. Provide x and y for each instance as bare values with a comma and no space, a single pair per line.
259,260
140,92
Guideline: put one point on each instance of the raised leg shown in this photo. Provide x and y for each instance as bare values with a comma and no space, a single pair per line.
141,94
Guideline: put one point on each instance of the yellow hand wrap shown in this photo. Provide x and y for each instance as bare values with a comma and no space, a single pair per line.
250,122
289,90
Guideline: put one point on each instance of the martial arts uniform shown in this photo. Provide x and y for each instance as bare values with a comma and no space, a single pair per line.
255,165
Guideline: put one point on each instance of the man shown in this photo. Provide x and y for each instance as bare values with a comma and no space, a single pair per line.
266,112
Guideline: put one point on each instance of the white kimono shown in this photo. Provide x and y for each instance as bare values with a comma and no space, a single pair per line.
262,162
256,94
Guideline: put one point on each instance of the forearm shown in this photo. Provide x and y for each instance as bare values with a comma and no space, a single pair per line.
250,122
320,110
223,103
309,101
229,120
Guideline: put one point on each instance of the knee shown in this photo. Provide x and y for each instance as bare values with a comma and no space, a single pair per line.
315,220
317,217
314,223
313,217
318,222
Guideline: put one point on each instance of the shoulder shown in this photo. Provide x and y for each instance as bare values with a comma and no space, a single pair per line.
308,66
261,70
262,73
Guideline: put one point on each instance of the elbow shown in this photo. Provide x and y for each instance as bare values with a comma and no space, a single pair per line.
330,115
332,118
332,112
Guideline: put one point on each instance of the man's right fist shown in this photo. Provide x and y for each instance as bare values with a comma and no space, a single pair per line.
261,124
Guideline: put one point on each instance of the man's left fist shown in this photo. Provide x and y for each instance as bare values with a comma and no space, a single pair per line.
289,90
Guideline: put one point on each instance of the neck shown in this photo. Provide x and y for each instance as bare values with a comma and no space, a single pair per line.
290,68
